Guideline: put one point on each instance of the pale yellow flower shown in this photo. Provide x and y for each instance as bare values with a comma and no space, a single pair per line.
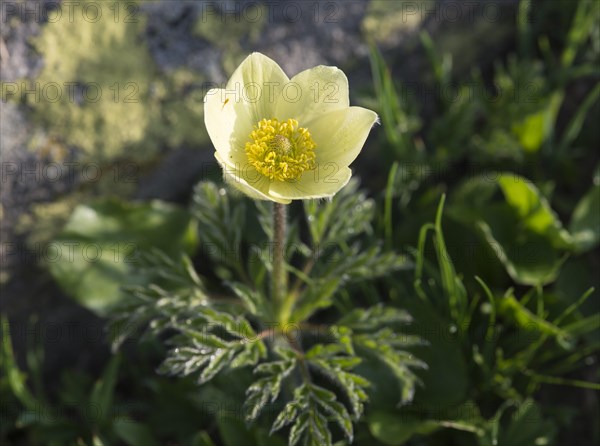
284,139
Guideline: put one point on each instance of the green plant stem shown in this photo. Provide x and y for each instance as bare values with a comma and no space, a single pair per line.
279,279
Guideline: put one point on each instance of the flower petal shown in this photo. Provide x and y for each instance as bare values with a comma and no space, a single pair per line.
227,124
323,182
312,93
341,134
246,179
230,113
257,83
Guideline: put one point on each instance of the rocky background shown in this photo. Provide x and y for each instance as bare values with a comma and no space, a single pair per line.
144,138
105,99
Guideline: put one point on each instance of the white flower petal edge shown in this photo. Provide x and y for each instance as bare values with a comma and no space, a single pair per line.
246,179
313,92
323,182
257,83
225,124
230,113
341,134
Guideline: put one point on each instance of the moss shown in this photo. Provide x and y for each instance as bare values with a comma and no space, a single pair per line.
227,30
104,59
182,109
138,110
45,220
165,110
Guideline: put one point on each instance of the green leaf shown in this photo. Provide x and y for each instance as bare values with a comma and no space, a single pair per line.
532,131
200,344
337,256
585,222
205,339
347,215
442,66
331,360
317,296
202,439
575,125
218,360
374,339
133,433
453,287
339,414
92,256
285,417
233,431
254,300
298,429
527,427
101,398
374,318
318,433
221,221
267,388
586,325
522,230
251,353
184,361
396,429
532,209
306,412
445,381
356,265
510,308
259,394
399,125
153,308
8,364
265,217
581,27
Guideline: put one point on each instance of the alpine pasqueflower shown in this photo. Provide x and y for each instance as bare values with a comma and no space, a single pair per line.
284,139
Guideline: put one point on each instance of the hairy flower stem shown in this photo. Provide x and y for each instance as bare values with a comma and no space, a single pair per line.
279,279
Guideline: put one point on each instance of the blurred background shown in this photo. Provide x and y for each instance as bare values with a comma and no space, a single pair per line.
493,103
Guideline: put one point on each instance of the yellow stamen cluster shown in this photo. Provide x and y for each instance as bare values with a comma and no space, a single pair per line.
280,150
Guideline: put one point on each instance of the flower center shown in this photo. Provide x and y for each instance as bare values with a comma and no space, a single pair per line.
280,150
